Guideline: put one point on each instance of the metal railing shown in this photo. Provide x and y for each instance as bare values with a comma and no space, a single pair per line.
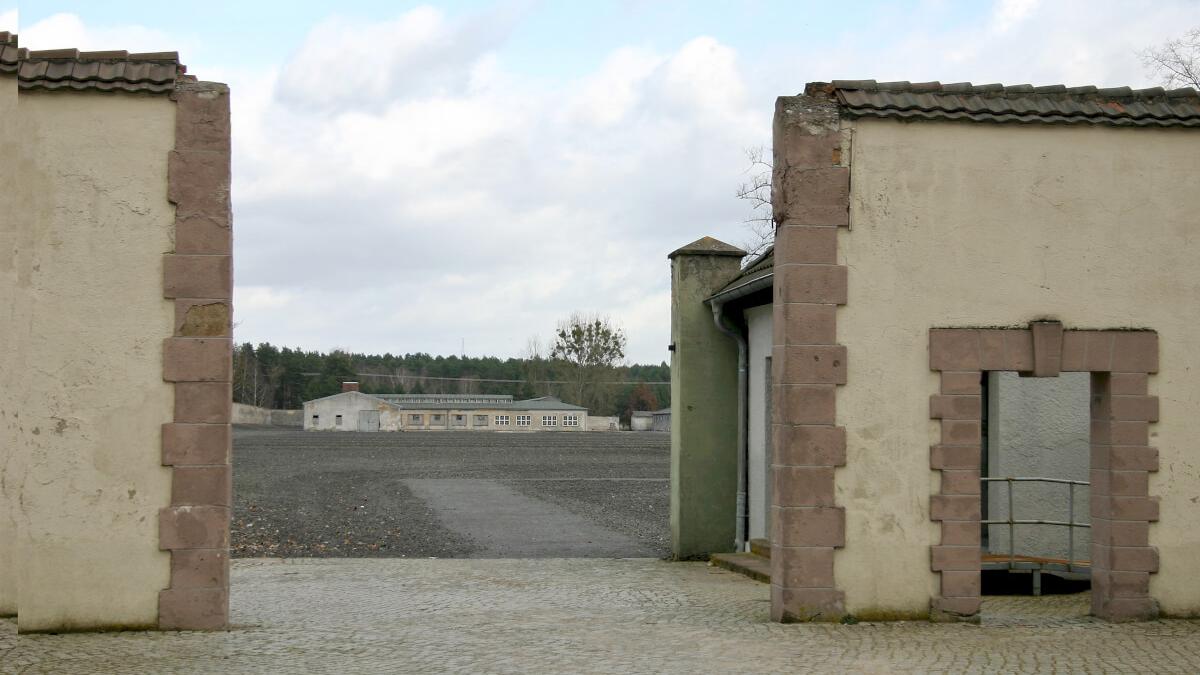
1070,523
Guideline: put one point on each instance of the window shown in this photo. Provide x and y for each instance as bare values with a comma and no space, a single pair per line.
501,420
338,420
522,420
570,420
549,420
460,420
481,420
316,420
414,419
438,419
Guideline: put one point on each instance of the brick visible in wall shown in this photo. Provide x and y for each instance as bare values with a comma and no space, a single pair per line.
198,359
1121,460
812,201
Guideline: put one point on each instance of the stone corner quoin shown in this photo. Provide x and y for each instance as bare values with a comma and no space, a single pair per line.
812,188
197,359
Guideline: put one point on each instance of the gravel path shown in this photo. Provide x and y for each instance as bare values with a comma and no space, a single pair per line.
325,494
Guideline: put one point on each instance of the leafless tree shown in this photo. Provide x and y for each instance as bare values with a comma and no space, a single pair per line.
589,347
1176,62
757,191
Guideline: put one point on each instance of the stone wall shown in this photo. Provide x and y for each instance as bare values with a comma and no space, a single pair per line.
115,283
970,225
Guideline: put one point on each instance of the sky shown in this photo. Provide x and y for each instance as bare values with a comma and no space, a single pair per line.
453,177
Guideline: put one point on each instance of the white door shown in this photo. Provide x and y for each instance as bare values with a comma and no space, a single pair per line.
368,420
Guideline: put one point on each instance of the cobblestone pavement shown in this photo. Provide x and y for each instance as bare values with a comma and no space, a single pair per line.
585,616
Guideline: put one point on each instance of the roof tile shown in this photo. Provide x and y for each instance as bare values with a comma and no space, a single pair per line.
71,69
1022,103
9,52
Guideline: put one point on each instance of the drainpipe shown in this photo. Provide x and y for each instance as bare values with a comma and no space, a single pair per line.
726,326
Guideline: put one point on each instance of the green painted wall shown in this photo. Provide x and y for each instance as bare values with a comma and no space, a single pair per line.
703,404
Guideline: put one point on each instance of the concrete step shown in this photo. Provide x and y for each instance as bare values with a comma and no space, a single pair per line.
761,547
754,566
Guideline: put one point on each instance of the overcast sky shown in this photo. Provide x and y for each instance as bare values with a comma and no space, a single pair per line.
412,177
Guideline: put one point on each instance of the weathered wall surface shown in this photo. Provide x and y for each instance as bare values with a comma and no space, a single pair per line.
250,414
601,423
956,224
1039,427
704,400
12,315
759,323
92,396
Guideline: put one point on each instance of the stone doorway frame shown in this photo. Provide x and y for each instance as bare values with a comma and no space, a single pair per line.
1121,507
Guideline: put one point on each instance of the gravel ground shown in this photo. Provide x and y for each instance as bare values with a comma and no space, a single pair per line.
327,494
639,509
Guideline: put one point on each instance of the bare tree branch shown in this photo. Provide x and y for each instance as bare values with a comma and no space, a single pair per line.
1177,62
757,191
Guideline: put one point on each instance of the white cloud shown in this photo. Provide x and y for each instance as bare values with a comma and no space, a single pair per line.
9,20
1009,13
1041,43
259,298
61,31
482,206
399,186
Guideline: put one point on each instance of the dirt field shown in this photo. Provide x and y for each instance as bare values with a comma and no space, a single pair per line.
449,494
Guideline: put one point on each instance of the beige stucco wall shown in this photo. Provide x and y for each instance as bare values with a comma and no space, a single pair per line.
960,224
10,315
91,394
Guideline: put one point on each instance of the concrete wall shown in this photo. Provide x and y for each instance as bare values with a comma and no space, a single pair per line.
250,414
643,422
1039,427
85,404
287,418
759,322
13,314
704,409
595,423
955,224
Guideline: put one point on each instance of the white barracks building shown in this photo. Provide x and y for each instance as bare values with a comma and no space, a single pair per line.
353,410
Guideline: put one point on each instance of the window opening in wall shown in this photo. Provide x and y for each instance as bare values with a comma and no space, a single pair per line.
549,421
570,420
316,419
438,419
338,420
983,460
501,420
523,420
481,420
414,419
1034,488
460,420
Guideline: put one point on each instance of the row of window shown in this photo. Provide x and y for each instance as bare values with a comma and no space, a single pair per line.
438,419
417,419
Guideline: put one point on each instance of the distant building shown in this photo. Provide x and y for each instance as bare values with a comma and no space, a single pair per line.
352,410
662,420
650,420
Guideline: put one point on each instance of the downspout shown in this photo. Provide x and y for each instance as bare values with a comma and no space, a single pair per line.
742,527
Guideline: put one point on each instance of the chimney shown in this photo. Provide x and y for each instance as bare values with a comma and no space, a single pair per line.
349,386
